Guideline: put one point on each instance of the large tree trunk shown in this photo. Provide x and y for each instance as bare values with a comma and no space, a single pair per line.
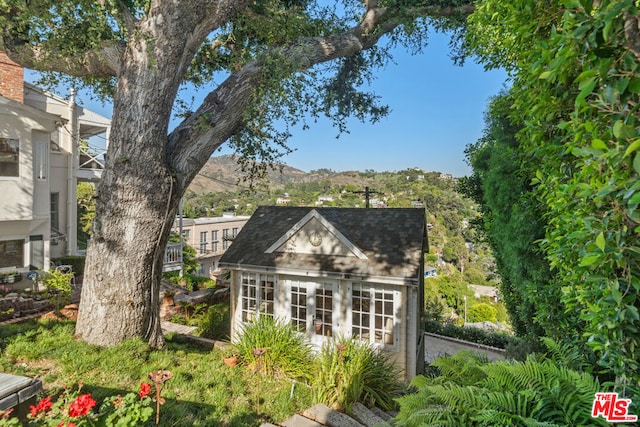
136,202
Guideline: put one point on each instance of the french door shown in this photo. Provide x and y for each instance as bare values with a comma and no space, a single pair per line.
314,307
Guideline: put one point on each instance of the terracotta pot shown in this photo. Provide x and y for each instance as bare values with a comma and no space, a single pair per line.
230,361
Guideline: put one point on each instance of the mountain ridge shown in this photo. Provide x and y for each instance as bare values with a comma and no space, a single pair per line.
223,173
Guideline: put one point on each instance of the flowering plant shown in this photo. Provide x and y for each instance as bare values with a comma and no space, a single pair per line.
73,409
131,410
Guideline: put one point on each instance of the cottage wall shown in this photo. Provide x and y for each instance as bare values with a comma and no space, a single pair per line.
402,353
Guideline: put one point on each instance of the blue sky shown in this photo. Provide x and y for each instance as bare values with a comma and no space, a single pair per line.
437,108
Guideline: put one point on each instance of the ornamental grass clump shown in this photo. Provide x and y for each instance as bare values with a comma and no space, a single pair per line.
287,352
349,371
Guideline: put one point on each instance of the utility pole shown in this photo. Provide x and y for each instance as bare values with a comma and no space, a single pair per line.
367,192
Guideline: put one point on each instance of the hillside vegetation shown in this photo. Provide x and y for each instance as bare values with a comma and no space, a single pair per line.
457,252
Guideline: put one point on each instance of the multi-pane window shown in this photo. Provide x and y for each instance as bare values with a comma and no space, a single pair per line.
383,317
267,287
11,253
324,309
234,232
9,157
225,239
55,211
373,315
203,242
214,241
41,167
257,295
299,307
360,309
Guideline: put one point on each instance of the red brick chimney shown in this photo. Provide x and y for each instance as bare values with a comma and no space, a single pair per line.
11,78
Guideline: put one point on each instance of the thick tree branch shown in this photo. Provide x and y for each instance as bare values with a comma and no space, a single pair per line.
221,113
103,61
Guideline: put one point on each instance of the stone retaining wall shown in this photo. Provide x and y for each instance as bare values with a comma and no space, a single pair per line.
439,345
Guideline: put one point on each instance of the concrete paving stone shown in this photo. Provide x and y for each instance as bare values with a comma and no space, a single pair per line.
365,416
327,416
379,412
300,421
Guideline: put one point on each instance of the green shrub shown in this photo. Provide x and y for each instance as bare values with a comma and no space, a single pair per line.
479,336
215,323
59,287
287,351
350,371
189,281
481,312
463,368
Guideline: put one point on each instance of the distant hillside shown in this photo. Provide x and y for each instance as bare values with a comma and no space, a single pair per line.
223,174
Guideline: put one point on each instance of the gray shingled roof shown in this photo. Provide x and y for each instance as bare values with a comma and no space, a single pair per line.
392,239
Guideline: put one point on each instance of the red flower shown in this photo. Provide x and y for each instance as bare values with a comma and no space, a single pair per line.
60,424
44,405
145,389
71,424
81,406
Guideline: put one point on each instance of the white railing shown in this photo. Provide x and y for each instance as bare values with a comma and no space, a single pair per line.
92,157
172,257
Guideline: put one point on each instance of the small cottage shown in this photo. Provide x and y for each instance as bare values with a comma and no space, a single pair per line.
334,272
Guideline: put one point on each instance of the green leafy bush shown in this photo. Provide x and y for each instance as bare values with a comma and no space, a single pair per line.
479,336
59,287
481,312
215,323
350,371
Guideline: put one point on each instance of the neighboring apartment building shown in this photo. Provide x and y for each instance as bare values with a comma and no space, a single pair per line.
42,159
210,237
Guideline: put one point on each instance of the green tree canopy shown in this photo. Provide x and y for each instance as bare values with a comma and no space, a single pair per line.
260,64
576,93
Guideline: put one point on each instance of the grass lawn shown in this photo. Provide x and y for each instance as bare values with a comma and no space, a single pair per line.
203,391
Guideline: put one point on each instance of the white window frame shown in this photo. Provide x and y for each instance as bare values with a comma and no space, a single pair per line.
203,243
41,166
378,297
54,207
214,241
10,141
257,295
225,239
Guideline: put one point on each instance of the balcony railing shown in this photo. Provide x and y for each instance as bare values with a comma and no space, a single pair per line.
172,257
92,161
